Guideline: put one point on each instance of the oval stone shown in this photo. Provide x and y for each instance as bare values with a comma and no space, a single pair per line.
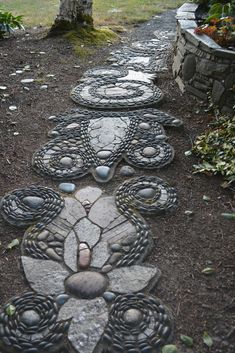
133,317
104,154
84,256
33,201
30,318
86,285
66,162
147,193
69,188
149,151
144,126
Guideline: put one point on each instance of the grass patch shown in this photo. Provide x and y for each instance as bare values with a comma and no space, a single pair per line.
85,39
113,12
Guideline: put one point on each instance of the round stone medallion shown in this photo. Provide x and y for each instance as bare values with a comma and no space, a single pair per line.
86,285
113,94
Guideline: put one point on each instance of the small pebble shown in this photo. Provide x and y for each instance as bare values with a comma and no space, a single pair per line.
126,170
12,108
69,188
27,80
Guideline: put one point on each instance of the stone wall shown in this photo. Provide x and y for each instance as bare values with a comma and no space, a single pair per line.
201,66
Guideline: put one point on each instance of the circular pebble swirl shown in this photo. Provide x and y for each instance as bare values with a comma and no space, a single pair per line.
137,323
32,204
31,327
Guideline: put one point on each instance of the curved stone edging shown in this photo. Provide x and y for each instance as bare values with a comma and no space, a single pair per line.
200,65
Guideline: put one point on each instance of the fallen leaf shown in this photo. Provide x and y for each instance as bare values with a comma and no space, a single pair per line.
10,310
208,271
207,339
169,348
228,215
13,244
188,341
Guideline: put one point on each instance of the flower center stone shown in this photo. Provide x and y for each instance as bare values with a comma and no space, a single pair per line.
133,317
30,317
86,285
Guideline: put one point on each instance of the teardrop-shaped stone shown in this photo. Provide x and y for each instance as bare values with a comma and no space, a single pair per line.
147,193
104,154
149,151
66,162
102,172
144,126
33,201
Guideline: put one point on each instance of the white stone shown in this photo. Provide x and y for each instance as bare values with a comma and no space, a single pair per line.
89,193
27,80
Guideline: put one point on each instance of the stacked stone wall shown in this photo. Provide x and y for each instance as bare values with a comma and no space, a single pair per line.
200,65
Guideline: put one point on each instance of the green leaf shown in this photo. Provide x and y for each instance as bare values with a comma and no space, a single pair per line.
10,310
208,271
13,244
188,341
228,215
169,348
207,339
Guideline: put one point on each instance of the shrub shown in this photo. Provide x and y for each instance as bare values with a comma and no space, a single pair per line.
8,23
216,147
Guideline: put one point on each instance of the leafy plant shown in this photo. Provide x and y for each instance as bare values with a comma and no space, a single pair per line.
8,22
216,147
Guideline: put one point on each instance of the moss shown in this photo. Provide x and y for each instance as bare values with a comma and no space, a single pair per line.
86,38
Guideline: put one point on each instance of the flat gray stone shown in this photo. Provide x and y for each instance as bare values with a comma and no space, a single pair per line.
101,218
89,193
89,318
87,232
100,255
119,232
132,279
71,251
104,154
72,211
44,276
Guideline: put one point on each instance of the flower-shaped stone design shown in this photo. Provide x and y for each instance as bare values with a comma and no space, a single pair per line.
95,142
89,254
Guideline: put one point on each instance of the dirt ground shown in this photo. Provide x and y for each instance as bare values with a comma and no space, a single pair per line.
184,245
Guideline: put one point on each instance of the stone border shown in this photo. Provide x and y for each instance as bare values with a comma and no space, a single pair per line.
200,65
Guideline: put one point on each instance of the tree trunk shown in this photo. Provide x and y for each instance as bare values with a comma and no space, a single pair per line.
73,14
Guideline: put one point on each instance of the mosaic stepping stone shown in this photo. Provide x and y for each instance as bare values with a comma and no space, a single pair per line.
148,46
95,142
81,294
133,59
110,93
121,74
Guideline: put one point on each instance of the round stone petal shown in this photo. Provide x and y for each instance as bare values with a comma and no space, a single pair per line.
89,318
133,278
44,276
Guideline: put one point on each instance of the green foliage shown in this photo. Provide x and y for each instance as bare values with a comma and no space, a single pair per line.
216,147
8,22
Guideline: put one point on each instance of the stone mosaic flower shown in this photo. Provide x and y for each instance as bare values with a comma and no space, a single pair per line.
86,291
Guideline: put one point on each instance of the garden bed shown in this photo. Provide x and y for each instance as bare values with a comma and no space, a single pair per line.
201,66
